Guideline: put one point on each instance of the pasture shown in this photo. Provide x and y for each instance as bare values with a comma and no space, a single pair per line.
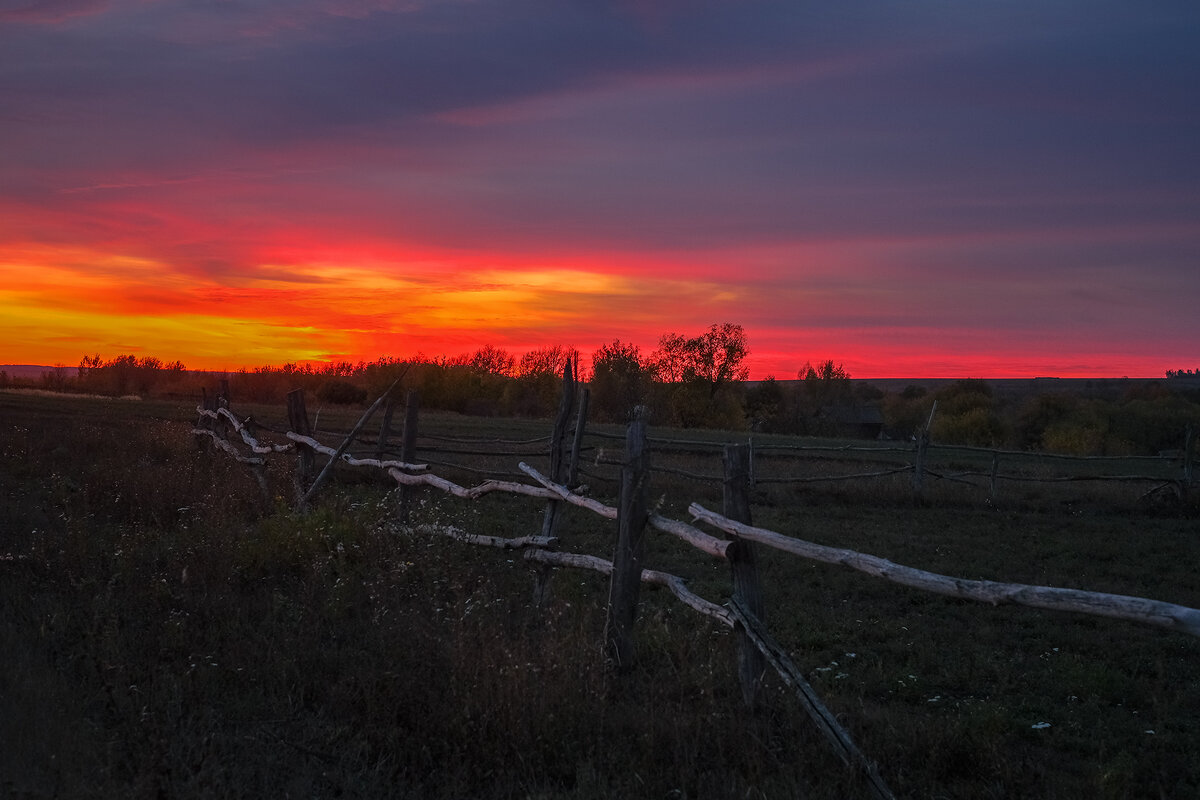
171,631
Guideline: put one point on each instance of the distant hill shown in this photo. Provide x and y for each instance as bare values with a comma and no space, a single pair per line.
25,370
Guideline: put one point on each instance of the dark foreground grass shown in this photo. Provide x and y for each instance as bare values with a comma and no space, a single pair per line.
168,631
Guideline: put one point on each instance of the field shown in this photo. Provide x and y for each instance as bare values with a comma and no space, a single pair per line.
171,631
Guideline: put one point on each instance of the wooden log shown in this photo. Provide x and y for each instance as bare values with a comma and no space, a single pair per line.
458,534
225,446
350,460
595,506
243,429
692,535
472,493
743,563
631,528
826,722
1135,609
675,583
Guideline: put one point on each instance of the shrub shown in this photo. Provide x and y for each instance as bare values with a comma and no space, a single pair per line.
341,392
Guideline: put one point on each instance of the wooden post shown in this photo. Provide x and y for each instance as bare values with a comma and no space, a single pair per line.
919,462
995,469
577,444
922,447
408,448
1189,444
747,590
632,515
385,428
259,470
559,470
298,422
558,439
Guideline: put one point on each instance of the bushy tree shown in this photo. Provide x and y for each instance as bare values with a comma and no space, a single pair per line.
696,377
620,381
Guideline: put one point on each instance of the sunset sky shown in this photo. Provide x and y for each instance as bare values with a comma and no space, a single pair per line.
949,189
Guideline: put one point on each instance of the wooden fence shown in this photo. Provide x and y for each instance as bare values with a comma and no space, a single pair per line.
633,515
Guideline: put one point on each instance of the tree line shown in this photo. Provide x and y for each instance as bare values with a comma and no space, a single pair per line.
698,380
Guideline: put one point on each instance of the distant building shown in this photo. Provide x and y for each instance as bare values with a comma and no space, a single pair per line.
860,421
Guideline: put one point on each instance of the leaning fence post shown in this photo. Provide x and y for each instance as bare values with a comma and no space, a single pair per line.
742,555
627,562
408,448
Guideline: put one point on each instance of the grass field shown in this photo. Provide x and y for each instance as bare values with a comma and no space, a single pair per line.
171,631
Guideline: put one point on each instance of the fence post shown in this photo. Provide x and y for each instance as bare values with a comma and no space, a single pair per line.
922,447
1189,443
919,462
627,561
558,439
385,428
408,449
577,444
743,560
995,469
298,422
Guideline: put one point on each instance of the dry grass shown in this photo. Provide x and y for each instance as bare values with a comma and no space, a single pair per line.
173,632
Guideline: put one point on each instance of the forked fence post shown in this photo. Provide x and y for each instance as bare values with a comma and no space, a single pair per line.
298,423
632,515
743,560
408,449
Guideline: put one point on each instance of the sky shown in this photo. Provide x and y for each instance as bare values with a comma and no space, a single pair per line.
912,189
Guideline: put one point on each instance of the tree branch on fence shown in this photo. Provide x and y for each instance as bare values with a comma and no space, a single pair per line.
672,582
826,722
449,487
1135,609
458,534
346,458
561,492
227,447
242,431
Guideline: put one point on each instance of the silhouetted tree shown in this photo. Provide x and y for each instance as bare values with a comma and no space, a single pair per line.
620,380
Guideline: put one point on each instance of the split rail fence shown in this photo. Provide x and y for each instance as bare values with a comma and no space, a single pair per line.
633,515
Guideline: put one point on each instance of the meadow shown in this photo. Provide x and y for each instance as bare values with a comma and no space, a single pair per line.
171,631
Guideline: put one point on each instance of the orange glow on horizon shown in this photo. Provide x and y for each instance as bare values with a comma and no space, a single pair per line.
336,304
